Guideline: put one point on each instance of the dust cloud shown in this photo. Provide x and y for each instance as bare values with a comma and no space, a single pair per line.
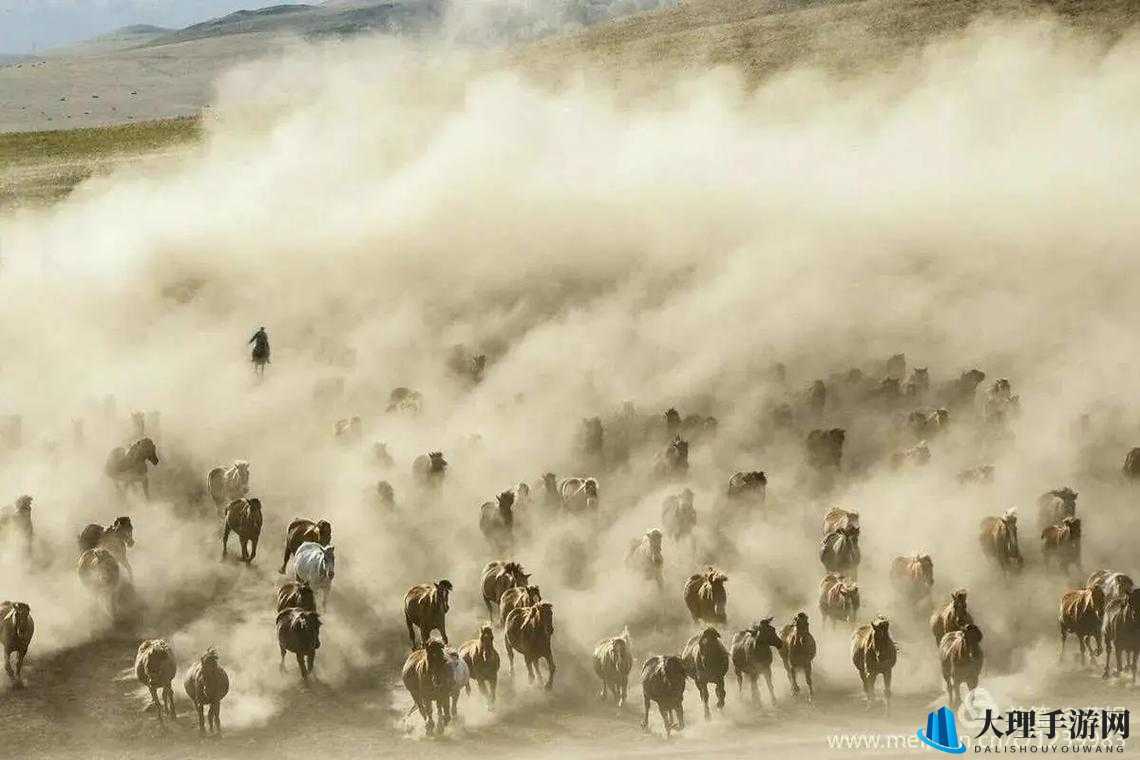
376,204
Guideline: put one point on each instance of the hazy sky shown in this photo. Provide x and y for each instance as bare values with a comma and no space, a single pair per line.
29,25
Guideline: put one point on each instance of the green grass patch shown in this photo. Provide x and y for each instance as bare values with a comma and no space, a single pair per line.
96,142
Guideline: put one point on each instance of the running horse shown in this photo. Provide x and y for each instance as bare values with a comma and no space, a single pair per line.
260,354
128,466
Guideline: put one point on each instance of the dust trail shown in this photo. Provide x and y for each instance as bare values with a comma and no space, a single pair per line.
376,204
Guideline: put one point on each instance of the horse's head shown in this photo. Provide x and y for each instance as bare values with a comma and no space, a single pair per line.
329,569
972,634
801,622
709,641
324,532
1073,525
209,659
716,580
310,622
925,568
546,615
550,482
1096,595
385,491
308,600
958,601
881,632
850,594
765,633
533,595
22,615
145,450
436,657
24,505
679,450
654,537
971,379
443,590
672,418
487,635
506,501
438,463
123,529
522,493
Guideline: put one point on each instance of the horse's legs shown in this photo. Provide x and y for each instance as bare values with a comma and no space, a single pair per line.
1107,656
311,658
510,658
550,662
281,666
301,665
244,553
154,702
285,559
771,690
720,694
253,549
887,688
201,718
8,663
645,720
168,700
443,632
1062,627
703,688
807,677
226,539
216,716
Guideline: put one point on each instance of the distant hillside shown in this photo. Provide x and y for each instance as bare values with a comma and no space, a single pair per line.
764,36
316,21
120,39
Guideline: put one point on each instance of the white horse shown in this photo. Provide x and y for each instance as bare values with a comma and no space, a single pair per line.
127,467
460,678
314,564
226,485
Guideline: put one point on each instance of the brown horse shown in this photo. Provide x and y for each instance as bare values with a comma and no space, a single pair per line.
243,518
873,653
998,540
528,631
705,596
1062,544
302,530
155,669
482,660
1081,614
426,606
962,660
127,466
798,652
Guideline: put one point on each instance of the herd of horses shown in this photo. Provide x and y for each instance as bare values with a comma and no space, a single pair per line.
1105,612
